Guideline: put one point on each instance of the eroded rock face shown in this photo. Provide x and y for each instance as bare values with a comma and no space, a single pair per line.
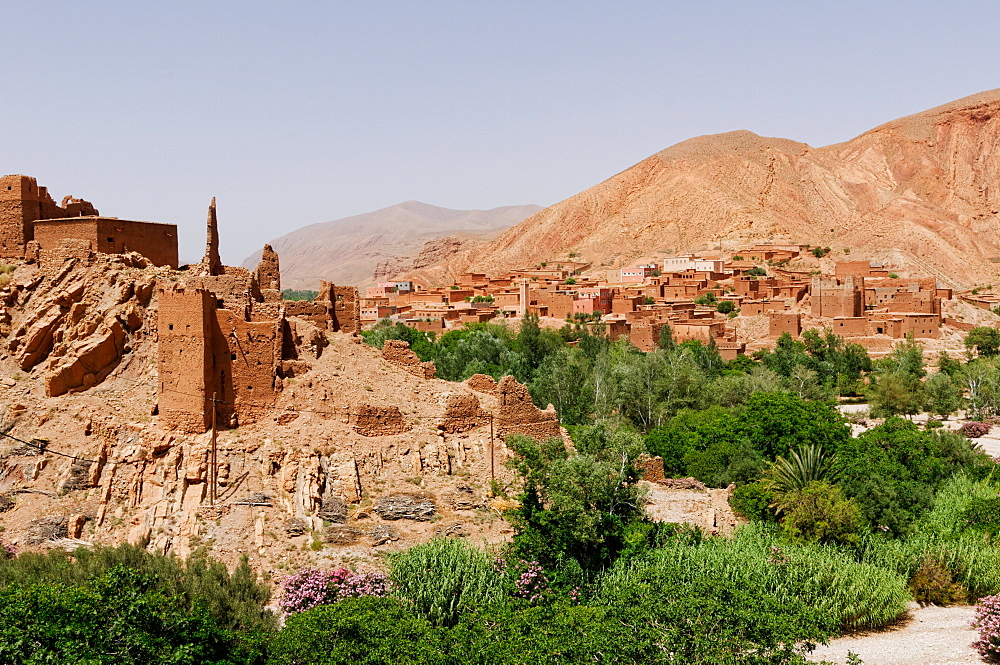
79,323
405,507
369,420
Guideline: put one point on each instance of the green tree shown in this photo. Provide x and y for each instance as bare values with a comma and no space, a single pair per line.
984,339
944,396
564,380
895,394
725,307
575,508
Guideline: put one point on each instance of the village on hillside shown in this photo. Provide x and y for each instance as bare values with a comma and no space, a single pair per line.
699,297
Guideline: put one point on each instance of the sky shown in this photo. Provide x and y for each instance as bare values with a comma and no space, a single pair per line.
294,113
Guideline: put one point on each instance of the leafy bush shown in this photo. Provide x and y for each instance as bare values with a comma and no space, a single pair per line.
236,600
118,617
357,631
819,513
442,578
752,501
975,429
725,307
983,514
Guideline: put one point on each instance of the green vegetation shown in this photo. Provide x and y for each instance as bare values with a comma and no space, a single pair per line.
292,294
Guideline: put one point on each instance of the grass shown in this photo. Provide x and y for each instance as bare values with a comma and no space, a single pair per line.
970,556
443,578
853,595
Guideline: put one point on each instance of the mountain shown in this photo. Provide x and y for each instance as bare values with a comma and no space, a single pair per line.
921,192
348,251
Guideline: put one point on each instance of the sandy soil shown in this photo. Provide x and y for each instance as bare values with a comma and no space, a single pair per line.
932,636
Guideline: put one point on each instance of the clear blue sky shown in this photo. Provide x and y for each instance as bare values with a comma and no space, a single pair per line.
299,112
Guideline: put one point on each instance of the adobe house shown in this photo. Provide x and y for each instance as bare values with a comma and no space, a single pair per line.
73,228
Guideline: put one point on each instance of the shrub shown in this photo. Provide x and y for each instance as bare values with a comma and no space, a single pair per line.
236,600
983,514
358,631
118,617
442,578
311,587
975,429
934,584
819,513
752,501
725,307
987,623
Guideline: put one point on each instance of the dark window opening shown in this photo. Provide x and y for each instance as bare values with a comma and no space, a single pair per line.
220,303
111,239
170,326
232,356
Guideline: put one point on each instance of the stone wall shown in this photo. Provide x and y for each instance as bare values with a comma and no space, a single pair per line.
23,202
462,413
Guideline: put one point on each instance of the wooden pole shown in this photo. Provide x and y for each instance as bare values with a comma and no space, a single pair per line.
491,447
213,469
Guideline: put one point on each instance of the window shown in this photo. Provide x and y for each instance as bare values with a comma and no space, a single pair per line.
220,303
232,356
170,326
110,239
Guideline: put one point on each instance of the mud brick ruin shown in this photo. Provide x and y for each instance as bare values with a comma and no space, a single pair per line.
33,226
226,339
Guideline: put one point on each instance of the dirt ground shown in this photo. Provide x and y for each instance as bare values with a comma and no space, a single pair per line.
931,636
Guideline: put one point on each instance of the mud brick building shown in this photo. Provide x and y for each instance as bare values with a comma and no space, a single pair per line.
32,226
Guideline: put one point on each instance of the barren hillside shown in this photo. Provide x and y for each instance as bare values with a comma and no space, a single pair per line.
921,192
353,250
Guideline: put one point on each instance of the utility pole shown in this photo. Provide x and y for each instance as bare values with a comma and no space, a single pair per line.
213,463
491,448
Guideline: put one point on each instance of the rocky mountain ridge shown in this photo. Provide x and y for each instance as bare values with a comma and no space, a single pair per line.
920,192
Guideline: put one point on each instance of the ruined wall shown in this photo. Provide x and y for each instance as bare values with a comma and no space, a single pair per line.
247,361
369,420
398,353
268,274
206,351
519,415
186,364
344,306
482,383
156,242
462,413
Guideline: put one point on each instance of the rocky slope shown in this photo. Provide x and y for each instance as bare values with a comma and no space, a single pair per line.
921,192
359,250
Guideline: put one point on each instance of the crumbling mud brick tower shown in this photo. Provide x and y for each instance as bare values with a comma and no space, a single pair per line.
22,203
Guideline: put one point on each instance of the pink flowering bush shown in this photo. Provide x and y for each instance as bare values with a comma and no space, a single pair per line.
975,429
987,622
311,587
530,582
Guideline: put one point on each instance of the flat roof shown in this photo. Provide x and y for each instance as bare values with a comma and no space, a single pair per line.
99,217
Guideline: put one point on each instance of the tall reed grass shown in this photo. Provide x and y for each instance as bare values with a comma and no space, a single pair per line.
852,595
971,556
443,578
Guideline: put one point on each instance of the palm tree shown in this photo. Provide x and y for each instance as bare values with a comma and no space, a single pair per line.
806,465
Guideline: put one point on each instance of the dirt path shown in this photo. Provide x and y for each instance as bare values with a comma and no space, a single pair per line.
933,636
